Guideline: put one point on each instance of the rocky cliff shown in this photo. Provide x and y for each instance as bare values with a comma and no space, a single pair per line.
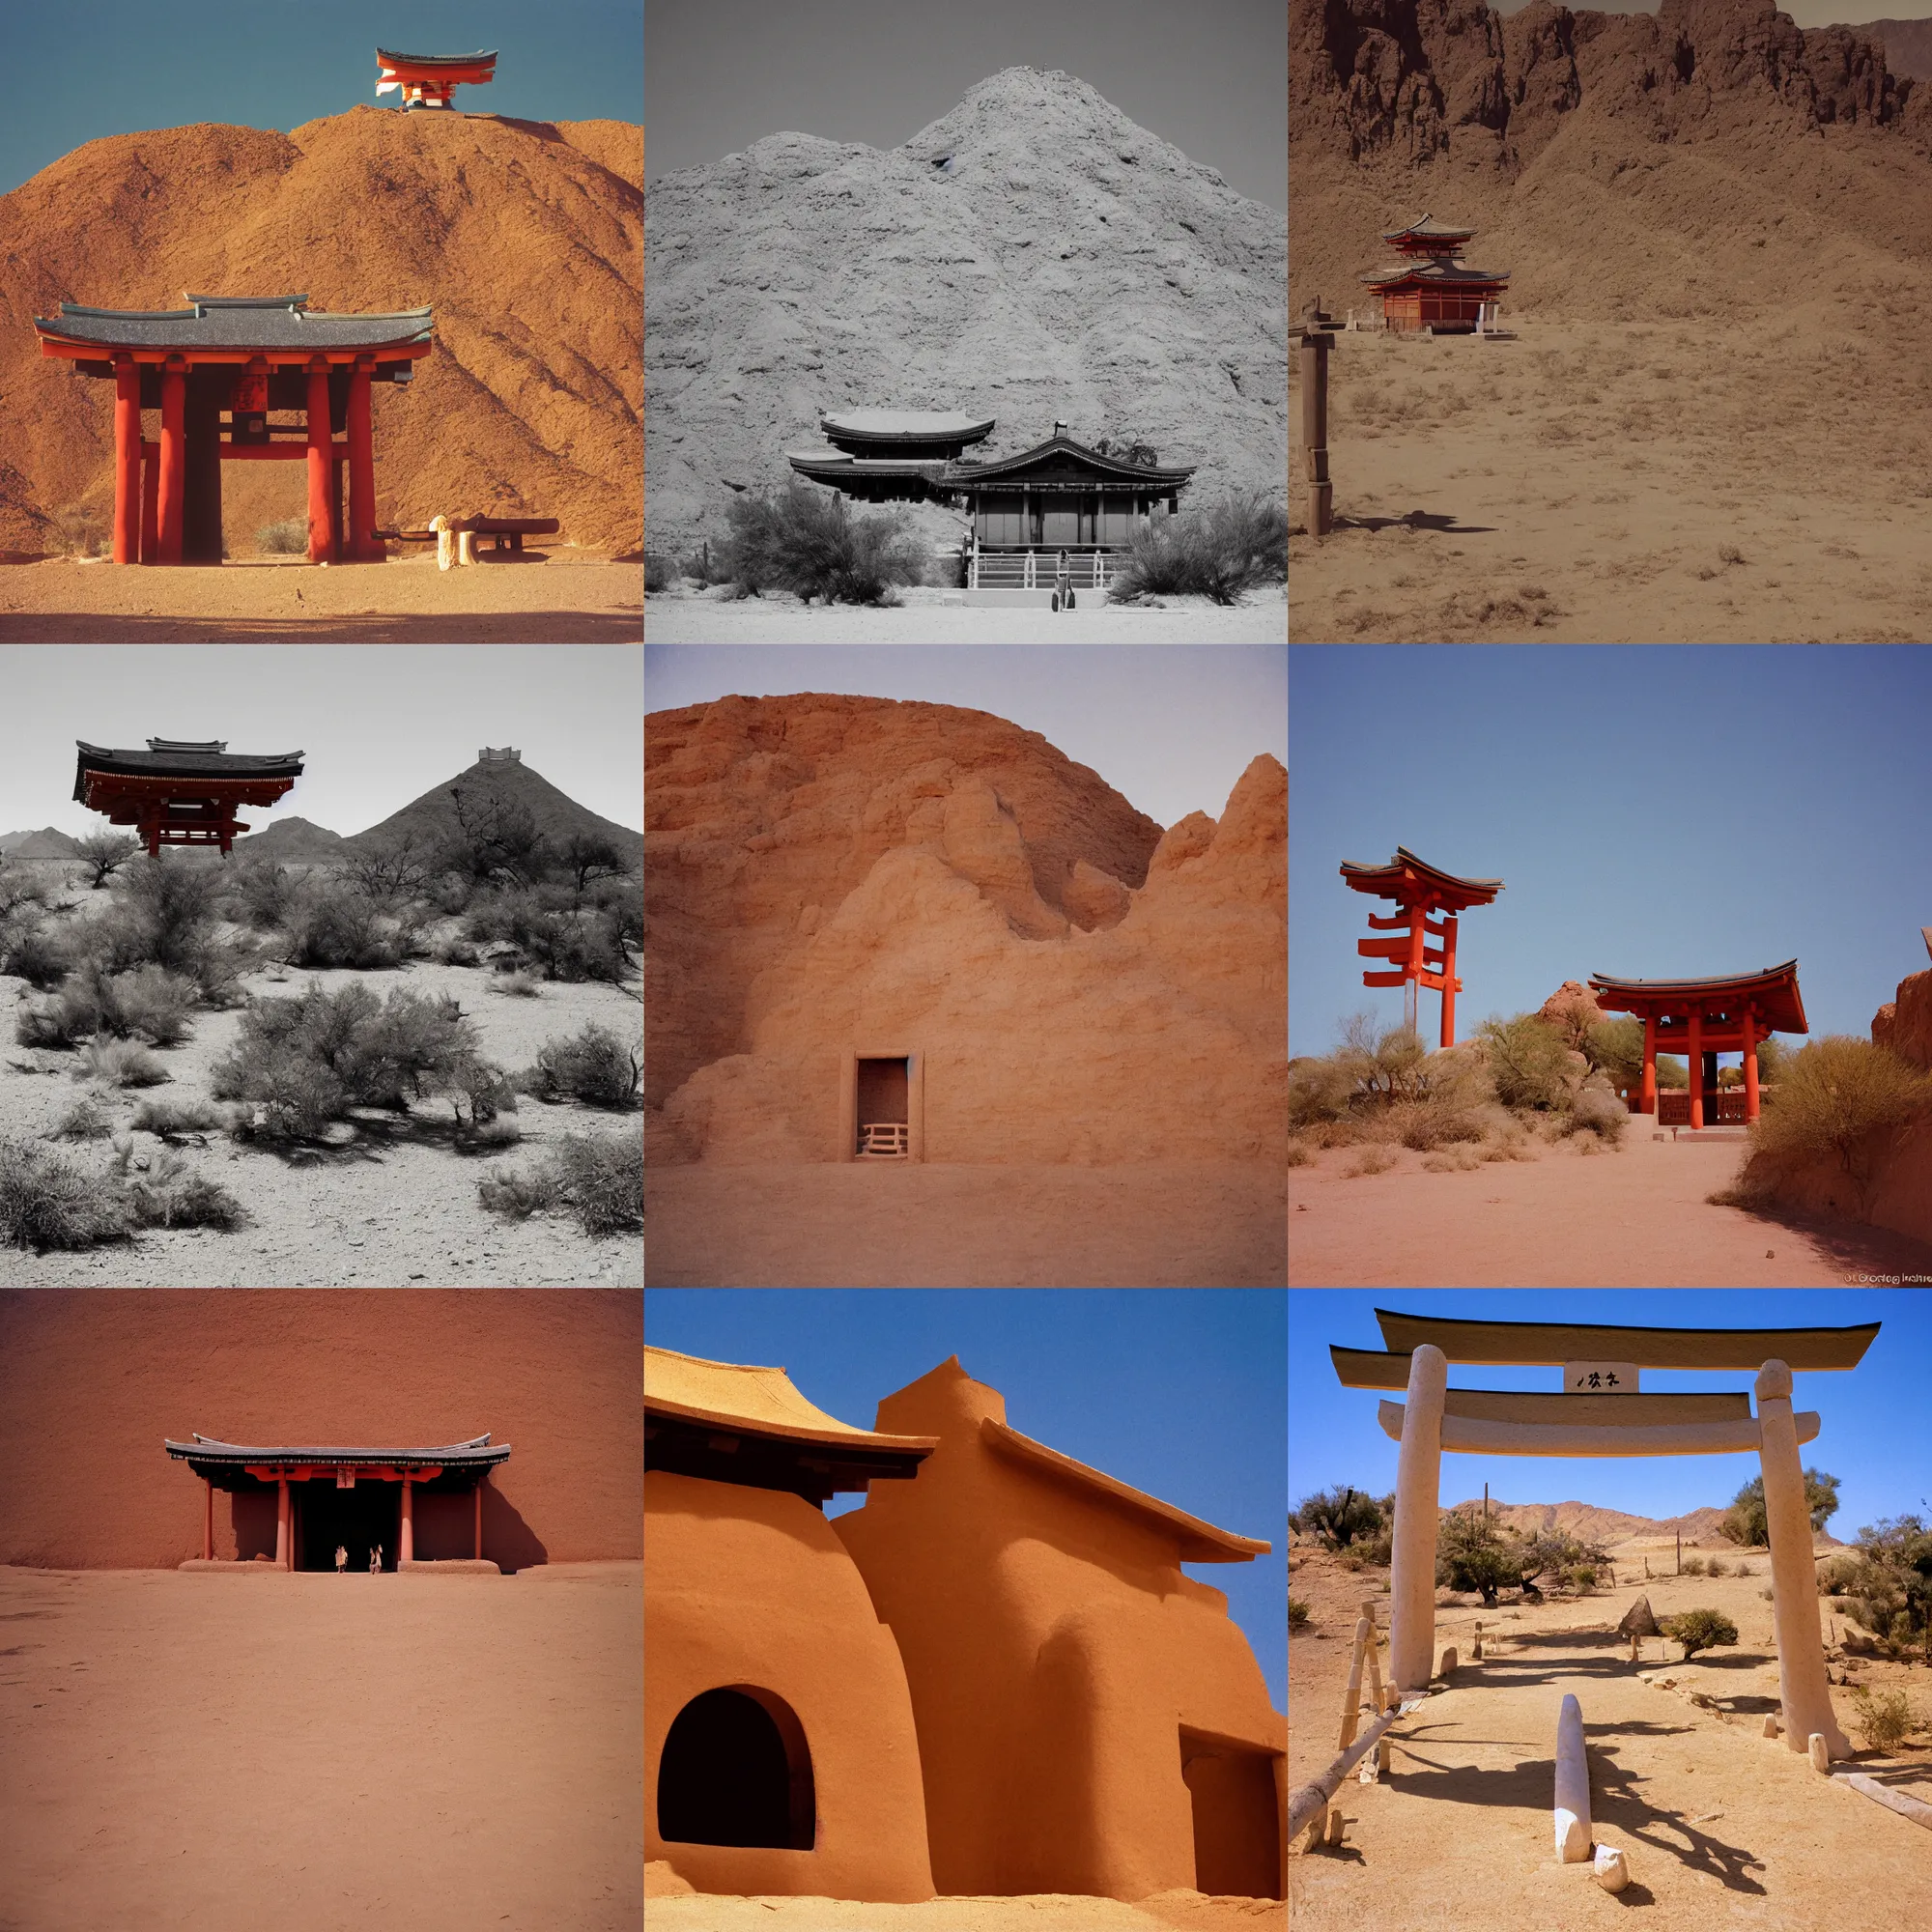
1033,255
828,874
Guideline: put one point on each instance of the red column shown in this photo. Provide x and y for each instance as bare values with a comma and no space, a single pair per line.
127,459
208,1522
320,549
1650,1065
362,466
1696,1066
1448,978
283,1523
477,1548
409,1549
1750,1065
173,495
151,501
1418,919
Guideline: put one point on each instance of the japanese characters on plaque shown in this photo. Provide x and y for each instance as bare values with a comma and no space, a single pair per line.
1600,1378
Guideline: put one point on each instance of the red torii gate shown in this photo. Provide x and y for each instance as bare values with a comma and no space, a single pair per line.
1702,1018
1419,888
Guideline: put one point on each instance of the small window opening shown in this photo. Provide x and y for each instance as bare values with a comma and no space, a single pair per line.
883,1112
736,1771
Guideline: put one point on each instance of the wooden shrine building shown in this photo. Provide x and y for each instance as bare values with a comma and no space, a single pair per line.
357,1496
216,372
1430,288
1022,510
1700,1019
427,81
1418,890
181,793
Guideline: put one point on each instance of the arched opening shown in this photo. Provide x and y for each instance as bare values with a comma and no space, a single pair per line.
736,1771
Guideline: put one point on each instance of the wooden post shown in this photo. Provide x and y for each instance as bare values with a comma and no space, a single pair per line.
127,459
1418,934
1695,1067
1351,1706
150,503
281,1522
1750,1065
1315,345
1650,1079
1449,1018
1680,1553
173,497
1378,1701
320,548
477,1549
208,1522
407,1549
362,546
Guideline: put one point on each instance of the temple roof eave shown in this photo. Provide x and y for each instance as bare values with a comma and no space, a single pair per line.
477,1453
1381,881
1550,1344
258,324
1784,1010
1003,468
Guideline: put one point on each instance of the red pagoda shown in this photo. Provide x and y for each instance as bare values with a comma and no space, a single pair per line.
427,81
1432,288
1419,889
181,791
1702,1018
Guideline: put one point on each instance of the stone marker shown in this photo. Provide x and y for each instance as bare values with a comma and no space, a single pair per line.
1382,1755
1476,1649
1638,1620
1572,1785
1612,1869
1821,1752
1448,1661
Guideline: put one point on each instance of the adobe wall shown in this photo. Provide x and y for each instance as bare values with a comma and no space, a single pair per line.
1154,1031
1056,1654
748,1587
93,1379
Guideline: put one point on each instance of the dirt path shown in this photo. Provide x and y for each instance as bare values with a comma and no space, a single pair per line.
1722,1825
1197,1224
568,600
1634,1218
309,1752
1043,1911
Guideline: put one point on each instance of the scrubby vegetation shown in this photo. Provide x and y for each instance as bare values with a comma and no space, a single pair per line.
105,853
1217,550
1340,1517
1883,1718
119,1062
1745,1521
1475,1552
593,1066
1699,1630
46,1201
149,1003
807,542
1297,1613
287,538
169,1118
1884,1586
599,1179
1842,1099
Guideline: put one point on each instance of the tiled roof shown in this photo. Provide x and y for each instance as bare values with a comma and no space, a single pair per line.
1435,270
169,757
389,59
1429,229
265,323
907,425
1162,477
474,1453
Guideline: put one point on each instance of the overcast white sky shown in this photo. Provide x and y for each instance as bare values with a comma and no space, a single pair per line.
380,724
1170,729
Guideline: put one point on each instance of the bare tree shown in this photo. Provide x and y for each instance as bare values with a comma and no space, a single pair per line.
399,868
105,853
588,856
497,839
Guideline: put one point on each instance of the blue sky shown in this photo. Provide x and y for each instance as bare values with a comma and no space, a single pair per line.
1871,1434
72,75
1178,1392
1654,811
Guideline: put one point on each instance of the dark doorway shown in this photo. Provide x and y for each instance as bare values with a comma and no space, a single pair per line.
1236,1830
361,1518
736,1771
883,1101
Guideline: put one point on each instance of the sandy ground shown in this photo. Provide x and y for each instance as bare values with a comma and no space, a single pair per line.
946,1225
567,599
1635,1217
383,1211
1046,1912
308,1752
937,617
1722,1826
1619,483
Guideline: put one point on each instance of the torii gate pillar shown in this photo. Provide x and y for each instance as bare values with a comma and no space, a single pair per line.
1801,1683
1417,1486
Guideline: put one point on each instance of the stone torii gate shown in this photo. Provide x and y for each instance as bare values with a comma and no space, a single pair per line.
1601,1411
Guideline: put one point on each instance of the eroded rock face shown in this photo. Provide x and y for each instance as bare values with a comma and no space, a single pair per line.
830,875
1573,1010
1904,1023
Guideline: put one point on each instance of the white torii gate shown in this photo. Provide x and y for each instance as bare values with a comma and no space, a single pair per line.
1610,1417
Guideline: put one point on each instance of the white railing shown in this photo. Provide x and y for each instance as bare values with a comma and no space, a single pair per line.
887,1140
1038,569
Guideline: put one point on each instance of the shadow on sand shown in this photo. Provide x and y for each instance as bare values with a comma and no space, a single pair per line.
1416,519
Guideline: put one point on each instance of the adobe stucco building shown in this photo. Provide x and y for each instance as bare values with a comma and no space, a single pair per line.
992,1678
93,1383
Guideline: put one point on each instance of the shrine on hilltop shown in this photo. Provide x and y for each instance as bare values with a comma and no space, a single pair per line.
181,791
1087,500
1418,889
1430,288
1700,1019
427,81
217,371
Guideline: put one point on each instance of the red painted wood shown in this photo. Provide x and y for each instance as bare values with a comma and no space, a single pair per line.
150,499
126,461
173,463
362,469
321,546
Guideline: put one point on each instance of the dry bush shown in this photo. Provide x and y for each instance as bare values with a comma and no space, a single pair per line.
82,530
121,1063
47,1202
1699,1630
1836,1575
1717,1567
593,1066
1297,1613
169,1117
1459,1161
171,1194
1299,1154
287,538
518,985
1693,1566
1884,1717
1374,1158
331,926
599,1178
807,542
1437,1121
1217,550
1597,1111
1843,1099
82,1121
1333,1135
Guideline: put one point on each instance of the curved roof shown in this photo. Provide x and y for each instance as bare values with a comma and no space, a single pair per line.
172,757
389,59
762,1401
475,1453
264,322
1429,229
907,425
1406,870
1552,1344
1436,272
1199,1542
1165,476
1774,990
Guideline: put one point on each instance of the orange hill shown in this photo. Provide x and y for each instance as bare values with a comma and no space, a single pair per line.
1593,1524
526,237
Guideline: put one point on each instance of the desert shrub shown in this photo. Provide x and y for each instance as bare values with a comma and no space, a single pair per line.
1297,1613
1371,1159
1717,1567
657,574
1318,1090
82,1121
1597,1111
39,957
105,853
1526,1061
455,953
1769,1596
82,530
1217,550
170,1194
328,927
148,1001
1614,1047
1334,1134
560,940
1744,1520
1375,1553
285,1096
1425,1124
167,1117
1890,1592
807,542
396,870
286,538
1842,1100
1299,1154
1582,1577
1691,1566
1472,1552
1341,1516
119,1062
46,1201
1883,1718
593,1066
600,1177
164,914
1835,1574
267,892
519,985
1699,1630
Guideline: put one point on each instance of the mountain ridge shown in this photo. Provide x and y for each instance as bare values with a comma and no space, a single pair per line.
1592,1523
432,816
